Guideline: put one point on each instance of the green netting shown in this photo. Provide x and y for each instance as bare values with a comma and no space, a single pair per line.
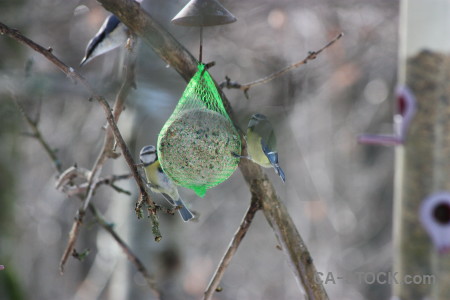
196,143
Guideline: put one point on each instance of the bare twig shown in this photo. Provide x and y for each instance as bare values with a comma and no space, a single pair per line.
70,72
245,87
73,234
232,248
129,253
106,153
80,256
172,52
67,176
119,189
155,221
37,135
64,182
113,178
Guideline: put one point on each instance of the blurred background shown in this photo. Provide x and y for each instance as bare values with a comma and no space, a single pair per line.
339,193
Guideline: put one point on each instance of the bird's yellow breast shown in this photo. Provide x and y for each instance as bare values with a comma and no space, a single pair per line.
255,150
151,172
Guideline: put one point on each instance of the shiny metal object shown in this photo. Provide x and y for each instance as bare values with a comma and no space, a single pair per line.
203,13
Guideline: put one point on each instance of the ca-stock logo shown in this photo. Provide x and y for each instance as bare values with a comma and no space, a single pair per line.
374,278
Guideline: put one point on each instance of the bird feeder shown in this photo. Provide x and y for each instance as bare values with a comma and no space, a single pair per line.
198,144
422,180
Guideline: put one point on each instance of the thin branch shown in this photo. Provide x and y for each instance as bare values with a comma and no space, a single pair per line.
232,248
37,135
73,234
129,253
71,73
80,256
113,178
79,217
119,189
64,182
67,176
172,52
106,153
155,221
245,87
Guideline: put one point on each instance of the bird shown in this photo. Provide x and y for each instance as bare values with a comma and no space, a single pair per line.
160,183
112,34
261,144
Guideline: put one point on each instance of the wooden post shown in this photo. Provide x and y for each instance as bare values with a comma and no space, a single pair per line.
423,162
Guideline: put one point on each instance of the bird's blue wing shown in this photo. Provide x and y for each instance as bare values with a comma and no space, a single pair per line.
185,213
272,156
167,197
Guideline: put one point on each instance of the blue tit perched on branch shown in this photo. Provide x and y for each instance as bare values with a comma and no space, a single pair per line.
261,144
160,183
111,35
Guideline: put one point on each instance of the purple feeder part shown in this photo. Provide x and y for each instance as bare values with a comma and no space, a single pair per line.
383,140
405,110
435,217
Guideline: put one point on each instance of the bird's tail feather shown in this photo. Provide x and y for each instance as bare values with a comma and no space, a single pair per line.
280,172
273,159
185,213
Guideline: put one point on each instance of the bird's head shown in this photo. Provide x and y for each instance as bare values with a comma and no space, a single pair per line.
255,119
148,155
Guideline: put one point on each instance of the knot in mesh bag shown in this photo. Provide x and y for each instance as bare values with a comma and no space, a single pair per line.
196,143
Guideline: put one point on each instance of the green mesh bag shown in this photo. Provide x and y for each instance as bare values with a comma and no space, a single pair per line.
195,145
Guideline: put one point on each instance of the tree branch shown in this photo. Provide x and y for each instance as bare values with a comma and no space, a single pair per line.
64,182
37,134
99,218
171,51
70,72
129,253
106,153
154,35
245,87
232,248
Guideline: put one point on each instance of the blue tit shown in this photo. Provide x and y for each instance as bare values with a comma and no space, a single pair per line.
261,144
160,183
111,35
